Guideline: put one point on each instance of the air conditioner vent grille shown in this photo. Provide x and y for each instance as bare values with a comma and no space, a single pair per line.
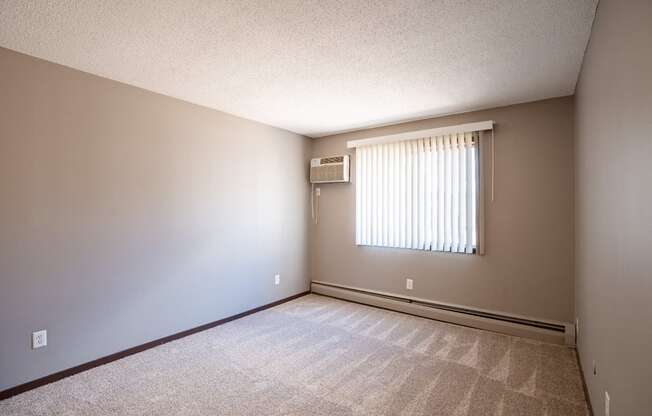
334,159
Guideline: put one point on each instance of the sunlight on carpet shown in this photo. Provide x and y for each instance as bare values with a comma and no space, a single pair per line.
321,356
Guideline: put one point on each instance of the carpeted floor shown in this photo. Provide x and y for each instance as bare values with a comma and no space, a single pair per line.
321,356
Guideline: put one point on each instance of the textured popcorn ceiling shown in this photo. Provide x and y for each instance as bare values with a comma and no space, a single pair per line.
316,66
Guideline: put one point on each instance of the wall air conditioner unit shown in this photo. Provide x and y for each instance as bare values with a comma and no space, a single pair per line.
330,169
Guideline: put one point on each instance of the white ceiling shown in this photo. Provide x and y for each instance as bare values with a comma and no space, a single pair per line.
316,67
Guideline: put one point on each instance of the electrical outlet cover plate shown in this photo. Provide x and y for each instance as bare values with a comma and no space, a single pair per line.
277,279
408,284
39,339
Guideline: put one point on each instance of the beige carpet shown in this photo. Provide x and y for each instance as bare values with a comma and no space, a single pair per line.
321,356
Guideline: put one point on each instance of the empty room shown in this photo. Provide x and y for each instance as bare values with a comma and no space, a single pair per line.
326,207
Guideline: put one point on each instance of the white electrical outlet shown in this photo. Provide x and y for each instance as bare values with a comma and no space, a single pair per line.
408,284
607,403
39,339
277,279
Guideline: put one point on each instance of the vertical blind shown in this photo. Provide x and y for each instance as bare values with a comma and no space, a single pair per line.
419,194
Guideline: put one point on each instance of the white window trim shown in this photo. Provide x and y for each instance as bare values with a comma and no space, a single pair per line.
480,127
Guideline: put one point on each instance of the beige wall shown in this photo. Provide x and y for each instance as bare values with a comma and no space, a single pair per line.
528,266
126,216
614,208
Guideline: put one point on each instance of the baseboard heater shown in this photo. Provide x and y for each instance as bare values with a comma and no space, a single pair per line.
543,330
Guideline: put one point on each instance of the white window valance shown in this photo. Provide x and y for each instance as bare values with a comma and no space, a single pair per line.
439,131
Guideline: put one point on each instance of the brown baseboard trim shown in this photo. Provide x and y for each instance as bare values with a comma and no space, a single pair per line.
586,390
134,350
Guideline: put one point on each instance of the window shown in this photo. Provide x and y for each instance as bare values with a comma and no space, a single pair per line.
418,193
